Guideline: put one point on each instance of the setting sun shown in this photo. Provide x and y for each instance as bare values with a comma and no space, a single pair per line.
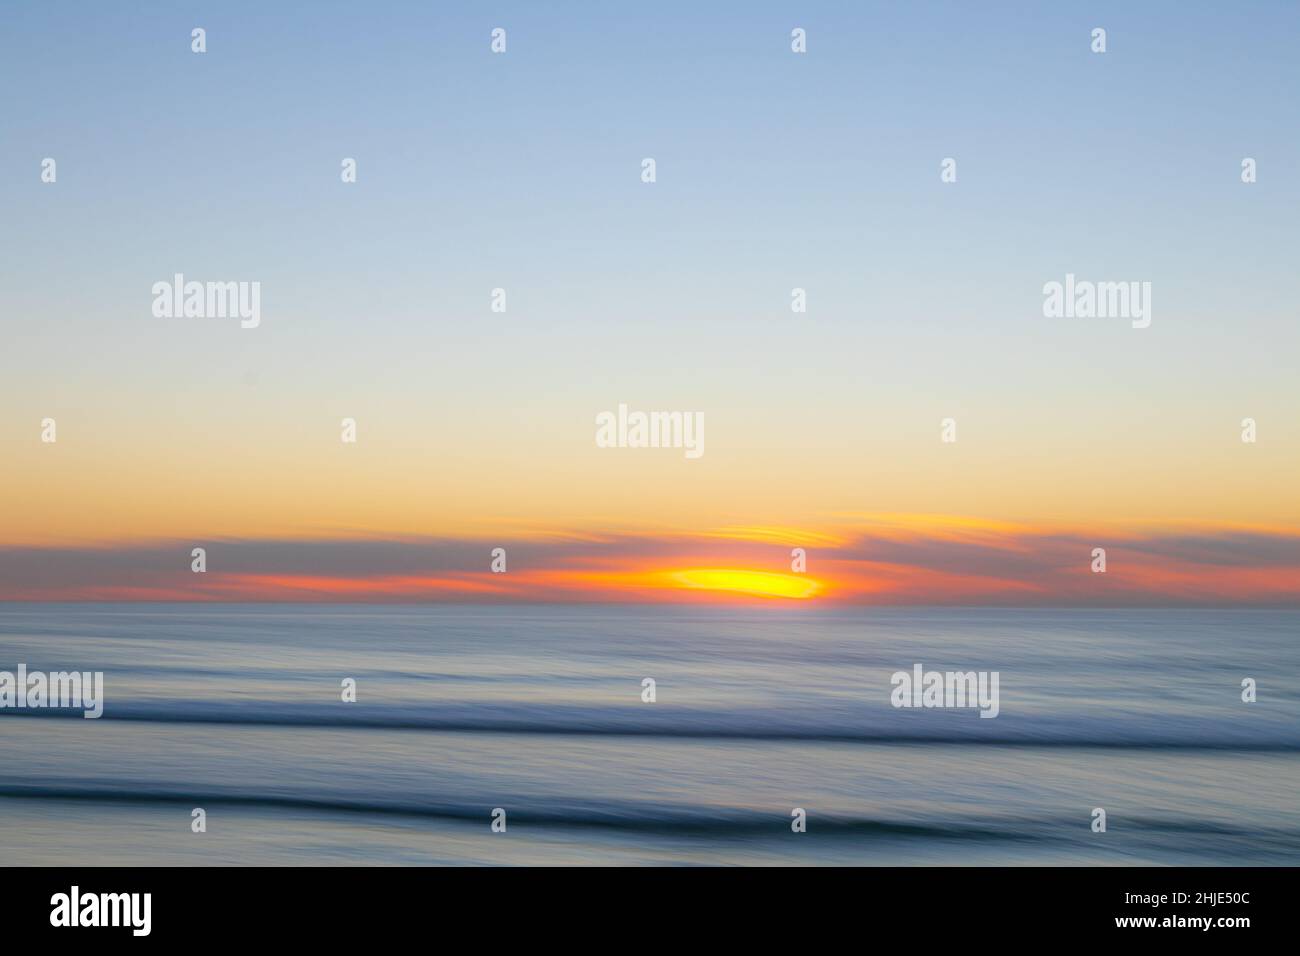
758,583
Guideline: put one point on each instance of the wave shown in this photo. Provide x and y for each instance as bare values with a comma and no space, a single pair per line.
880,727
639,816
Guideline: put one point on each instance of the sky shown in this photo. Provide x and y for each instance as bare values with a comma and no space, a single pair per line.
774,171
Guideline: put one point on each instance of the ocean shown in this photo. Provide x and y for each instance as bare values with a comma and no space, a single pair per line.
538,711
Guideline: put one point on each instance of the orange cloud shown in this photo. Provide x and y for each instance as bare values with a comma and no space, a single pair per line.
888,559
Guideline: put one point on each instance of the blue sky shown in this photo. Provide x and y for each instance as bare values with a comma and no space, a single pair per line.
774,170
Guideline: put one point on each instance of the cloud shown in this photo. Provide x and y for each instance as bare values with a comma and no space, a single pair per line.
882,561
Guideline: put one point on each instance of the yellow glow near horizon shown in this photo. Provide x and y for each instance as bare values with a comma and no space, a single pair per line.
758,583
